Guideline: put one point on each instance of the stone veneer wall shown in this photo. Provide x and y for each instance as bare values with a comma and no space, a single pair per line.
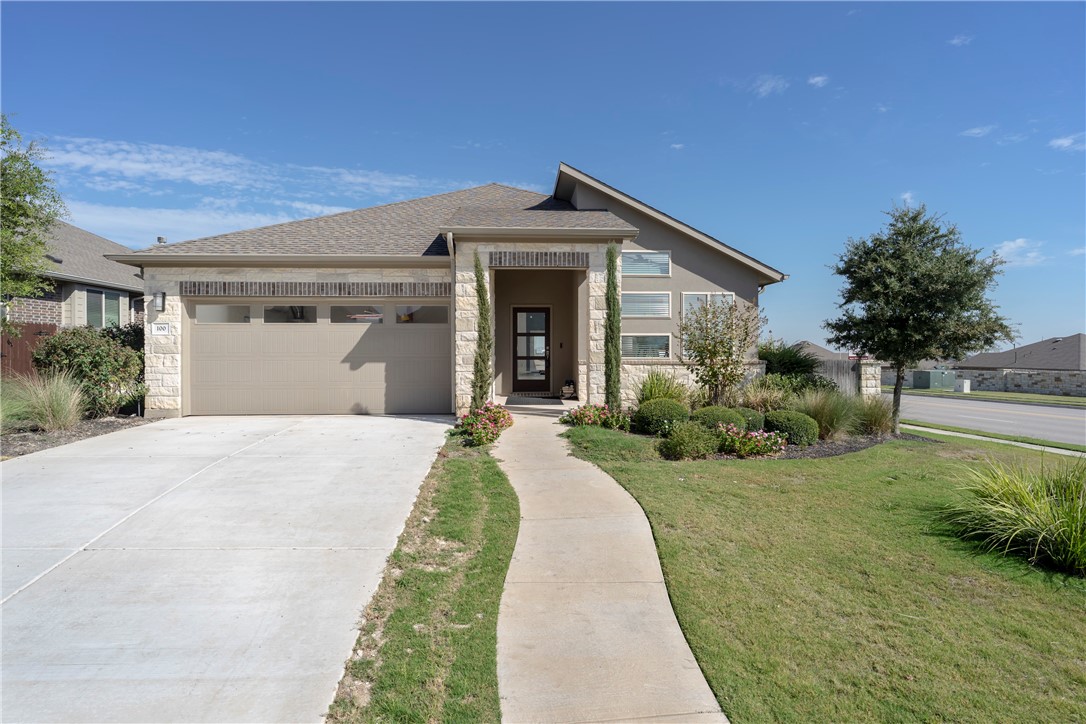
634,373
163,353
46,309
1071,383
870,379
590,387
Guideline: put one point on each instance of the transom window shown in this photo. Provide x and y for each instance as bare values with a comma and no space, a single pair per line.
646,263
693,300
422,314
357,314
222,314
103,309
646,304
290,314
646,346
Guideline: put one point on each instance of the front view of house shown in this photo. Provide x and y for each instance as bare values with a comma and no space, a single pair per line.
375,310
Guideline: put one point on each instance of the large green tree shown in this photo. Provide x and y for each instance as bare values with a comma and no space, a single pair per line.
29,205
915,291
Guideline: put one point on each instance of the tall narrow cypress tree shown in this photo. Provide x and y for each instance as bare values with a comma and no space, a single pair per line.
484,349
612,339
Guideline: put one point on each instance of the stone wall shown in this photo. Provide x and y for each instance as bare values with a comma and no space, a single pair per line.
163,353
870,379
634,373
46,309
1071,383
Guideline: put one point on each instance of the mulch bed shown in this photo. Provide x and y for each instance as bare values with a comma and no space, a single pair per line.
16,442
829,449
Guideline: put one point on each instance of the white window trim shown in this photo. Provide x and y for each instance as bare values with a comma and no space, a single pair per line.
121,305
670,346
728,296
648,316
649,251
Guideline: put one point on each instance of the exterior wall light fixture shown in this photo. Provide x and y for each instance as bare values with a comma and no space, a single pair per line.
160,301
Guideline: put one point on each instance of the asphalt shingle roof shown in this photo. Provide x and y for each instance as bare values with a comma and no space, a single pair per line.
538,218
80,254
1057,353
405,228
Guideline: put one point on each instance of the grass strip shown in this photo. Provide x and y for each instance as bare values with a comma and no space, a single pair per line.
428,645
999,436
1032,398
828,589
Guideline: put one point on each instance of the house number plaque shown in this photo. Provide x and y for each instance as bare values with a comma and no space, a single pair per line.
158,328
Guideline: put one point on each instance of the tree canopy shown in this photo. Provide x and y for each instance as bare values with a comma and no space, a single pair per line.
28,207
915,291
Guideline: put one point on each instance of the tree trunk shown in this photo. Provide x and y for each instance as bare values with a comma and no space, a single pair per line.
897,398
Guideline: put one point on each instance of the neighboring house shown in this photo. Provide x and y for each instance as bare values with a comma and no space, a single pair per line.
818,351
85,288
1057,353
375,311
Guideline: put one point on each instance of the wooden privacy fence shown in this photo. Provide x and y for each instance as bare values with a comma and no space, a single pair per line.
16,353
844,372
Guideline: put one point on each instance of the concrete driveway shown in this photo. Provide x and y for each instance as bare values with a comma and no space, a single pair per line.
201,569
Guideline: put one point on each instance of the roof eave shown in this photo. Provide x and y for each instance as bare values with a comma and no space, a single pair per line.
534,231
769,274
307,260
59,276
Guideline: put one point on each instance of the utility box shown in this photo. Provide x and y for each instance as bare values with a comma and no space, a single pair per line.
962,385
933,380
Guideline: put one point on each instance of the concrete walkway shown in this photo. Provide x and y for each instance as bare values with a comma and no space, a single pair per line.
586,631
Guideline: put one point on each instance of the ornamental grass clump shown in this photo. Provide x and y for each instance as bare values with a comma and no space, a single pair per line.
659,385
873,416
764,395
48,402
833,412
733,440
484,425
1038,514
597,416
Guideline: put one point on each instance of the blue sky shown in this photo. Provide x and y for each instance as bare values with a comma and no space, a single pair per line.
781,129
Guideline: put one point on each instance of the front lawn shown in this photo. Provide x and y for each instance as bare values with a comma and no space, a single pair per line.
825,590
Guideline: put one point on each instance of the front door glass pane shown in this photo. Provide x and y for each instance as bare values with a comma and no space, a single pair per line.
531,369
538,346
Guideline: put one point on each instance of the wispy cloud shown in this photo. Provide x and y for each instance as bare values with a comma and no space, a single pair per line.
978,131
1074,142
678,146
908,198
1078,252
881,108
1010,138
818,81
766,85
960,39
1021,252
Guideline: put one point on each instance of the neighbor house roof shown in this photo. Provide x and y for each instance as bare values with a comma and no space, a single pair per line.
1056,353
569,176
406,228
79,256
818,350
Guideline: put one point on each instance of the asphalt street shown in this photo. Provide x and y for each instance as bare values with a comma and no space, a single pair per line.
1046,423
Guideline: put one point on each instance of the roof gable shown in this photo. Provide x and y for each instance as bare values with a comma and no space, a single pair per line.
568,177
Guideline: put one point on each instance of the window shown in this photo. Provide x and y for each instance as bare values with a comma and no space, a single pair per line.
358,314
693,300
421,314
222,313
646,263
646,346
646,304
103,309
290,314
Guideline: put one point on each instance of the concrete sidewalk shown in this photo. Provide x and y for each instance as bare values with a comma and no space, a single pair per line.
586,631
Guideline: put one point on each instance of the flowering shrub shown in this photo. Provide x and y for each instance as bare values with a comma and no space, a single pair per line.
485,424
597,415
743,444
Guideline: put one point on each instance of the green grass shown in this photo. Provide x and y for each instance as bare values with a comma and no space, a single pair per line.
427,649
1057,400
999,436
828,590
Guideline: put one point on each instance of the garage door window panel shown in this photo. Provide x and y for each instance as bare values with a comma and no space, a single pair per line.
358,314
290,314
222,314
422,314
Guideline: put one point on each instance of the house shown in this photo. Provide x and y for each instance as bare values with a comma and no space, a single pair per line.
818,351
1056,353
85,288
375,310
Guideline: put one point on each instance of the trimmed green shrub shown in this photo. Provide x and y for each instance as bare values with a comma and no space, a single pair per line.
800,429
833,412
659,385
656,417
597,415
49,402
108,371
1039,514
688,441
714,416
873,415
755,420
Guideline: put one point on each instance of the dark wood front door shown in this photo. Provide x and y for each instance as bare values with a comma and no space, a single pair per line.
531,349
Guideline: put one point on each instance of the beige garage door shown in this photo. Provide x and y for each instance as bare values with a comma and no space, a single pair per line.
302,357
